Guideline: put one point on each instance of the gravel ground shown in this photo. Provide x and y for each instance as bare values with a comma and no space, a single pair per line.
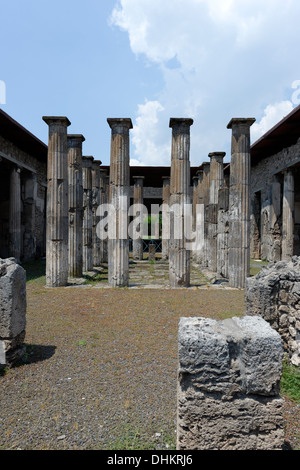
100,370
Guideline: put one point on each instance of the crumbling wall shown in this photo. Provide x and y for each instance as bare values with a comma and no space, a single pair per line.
12,311
274,294
228,385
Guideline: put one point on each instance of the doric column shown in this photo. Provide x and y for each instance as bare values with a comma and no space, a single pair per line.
96,198
198,218
216,183
138,198
57,202
29,210
165,217
288,207
75,204
118,246
104,183
239,202
87,232
15,237
179,256
205,197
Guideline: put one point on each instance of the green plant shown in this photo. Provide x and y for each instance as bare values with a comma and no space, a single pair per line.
290,381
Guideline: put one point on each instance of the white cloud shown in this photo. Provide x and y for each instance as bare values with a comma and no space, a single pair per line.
146,136
273,113
232,59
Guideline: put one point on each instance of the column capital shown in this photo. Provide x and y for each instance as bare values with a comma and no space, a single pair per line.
115,123
217,155
138,177
51,120
87,161
245,122
176,122
75,140
97,163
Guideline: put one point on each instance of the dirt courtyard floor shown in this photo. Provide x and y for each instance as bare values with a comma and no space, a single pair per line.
100,370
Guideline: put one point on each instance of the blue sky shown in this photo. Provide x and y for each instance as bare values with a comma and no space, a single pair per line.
150,60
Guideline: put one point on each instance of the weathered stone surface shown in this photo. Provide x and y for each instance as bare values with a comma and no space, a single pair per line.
239,202
229,376
274,294
12,309
179,255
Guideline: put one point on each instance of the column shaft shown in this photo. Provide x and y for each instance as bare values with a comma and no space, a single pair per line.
75,204
216,183
57,203
118,246
87,232
15,214
138,243
179,256
288,208
239,202
166,218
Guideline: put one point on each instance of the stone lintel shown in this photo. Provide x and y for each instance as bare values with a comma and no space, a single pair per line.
114,122
241,122
56,120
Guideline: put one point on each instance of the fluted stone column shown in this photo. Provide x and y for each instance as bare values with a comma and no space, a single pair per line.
288,209
198,218
57,268
206,194
119,197
165,217
239,202
104,184
96,198
75,142
138,198
29,210
87,232
179,256
216,183
15,237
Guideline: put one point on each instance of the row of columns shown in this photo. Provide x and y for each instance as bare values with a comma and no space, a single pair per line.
70,249
75,190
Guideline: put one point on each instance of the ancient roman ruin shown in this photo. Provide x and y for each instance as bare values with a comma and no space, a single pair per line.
79,214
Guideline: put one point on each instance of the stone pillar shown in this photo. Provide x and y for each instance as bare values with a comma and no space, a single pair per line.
216,183
104,184
138,248
199,219
206,193
119,196
96,198
87,232
15,209
239,202
165,218
229,376
29,209
179,256
57,203
223,232
288,208
75,204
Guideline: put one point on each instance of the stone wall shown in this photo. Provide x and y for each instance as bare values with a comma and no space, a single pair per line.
33,195
228,385
274,294
266,191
